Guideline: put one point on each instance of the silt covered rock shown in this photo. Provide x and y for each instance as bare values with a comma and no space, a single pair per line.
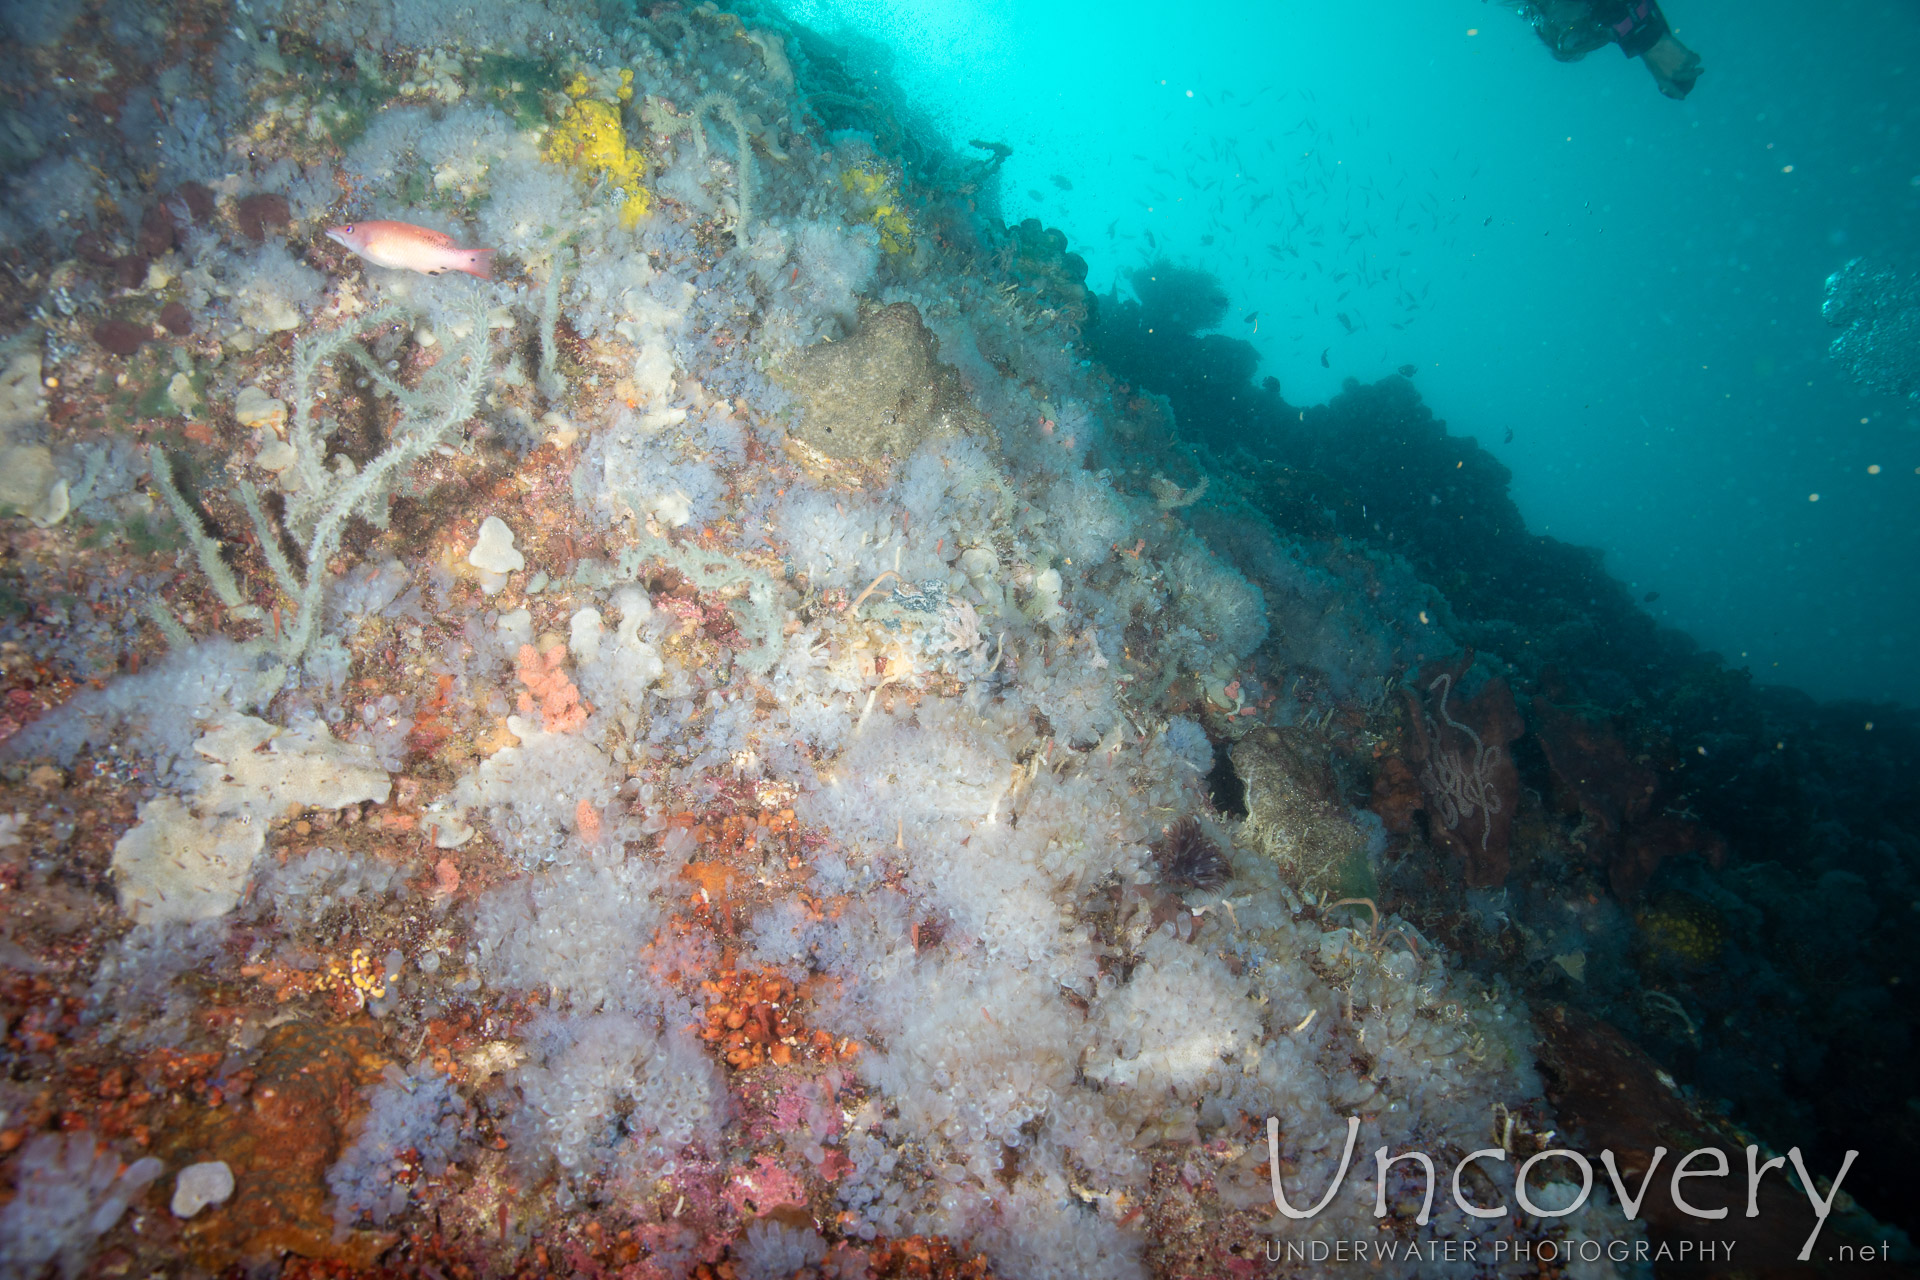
881,391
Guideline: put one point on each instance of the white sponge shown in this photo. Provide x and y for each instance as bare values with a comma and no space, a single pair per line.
494,554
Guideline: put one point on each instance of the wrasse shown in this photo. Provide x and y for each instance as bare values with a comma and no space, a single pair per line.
409,248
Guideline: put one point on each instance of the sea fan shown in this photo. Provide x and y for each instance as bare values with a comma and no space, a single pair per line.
1187,857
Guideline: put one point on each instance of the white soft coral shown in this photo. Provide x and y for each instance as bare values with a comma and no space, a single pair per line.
68,1192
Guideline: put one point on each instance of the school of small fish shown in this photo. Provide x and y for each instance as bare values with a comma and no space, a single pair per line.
1335,234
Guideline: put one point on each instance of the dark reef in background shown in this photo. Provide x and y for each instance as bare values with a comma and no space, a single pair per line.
1793,940
1155,343
1375,466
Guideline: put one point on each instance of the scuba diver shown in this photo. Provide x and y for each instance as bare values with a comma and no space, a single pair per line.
1572,29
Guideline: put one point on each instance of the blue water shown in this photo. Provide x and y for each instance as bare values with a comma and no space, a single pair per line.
1631,286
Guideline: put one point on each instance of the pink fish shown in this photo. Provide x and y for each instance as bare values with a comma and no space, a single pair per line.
411,248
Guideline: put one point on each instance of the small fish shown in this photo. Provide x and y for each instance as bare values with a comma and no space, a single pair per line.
1407,371
405,247
1324,362
1061,182
1032,194
1509,439
1341,316
1252,317
1151,242
1650,597
1206,240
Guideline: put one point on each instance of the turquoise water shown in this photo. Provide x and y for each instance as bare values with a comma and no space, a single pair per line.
1630,285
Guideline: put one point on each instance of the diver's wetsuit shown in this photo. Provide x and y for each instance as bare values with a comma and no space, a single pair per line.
1574,28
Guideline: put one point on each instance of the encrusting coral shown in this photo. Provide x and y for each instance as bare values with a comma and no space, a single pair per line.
878,194
548,689
591,139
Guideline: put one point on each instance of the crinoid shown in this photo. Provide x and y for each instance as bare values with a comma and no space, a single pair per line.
1187,857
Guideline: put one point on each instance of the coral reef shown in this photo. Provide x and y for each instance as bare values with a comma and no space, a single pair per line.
1746,776
877,198
1041,261
768,740
591,140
